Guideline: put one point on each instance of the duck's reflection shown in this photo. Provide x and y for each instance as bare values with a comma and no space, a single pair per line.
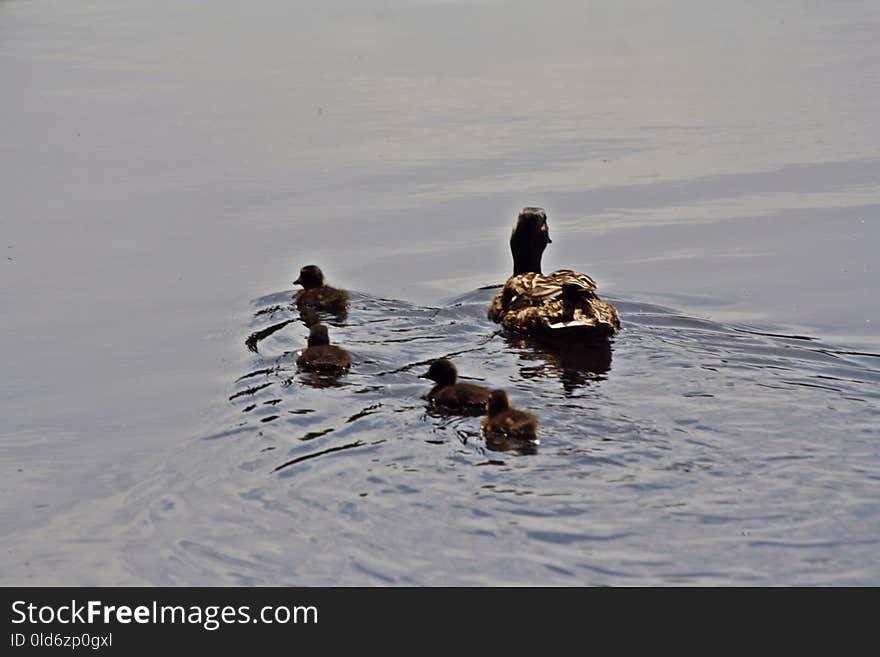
321,379
498,443
435,411
574,365
310,317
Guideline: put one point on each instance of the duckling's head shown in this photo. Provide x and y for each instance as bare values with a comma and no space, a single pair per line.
441,372
498,402
529,239
318,335
310,276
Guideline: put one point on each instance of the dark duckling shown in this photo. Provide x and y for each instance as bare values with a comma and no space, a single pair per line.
316,294
562,305
452,396
505,423
321,356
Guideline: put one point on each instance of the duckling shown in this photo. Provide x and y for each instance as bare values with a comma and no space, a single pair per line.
316,294
505,423
321,356
561,305
451,396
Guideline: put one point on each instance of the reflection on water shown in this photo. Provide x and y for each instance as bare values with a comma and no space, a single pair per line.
700,446
503,444
574,366
322,379
310,316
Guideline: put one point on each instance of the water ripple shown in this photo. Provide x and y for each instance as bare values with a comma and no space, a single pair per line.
678,455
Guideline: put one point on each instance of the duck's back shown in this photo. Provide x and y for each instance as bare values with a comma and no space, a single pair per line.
561,305
324,358
512,423
322,298
465,396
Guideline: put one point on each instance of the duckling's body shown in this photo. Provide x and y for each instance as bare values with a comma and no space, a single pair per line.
561,305
462,396
316,294
449,395
321,356
505,423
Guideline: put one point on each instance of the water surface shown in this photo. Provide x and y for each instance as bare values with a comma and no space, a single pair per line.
168,167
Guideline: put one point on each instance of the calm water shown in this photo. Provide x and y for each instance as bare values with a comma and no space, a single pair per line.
167,167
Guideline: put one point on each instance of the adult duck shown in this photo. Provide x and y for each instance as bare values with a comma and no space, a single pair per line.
562,305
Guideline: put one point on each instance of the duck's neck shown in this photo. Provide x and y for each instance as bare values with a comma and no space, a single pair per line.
526,262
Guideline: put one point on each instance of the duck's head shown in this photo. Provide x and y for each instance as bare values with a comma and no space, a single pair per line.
498,402
529,239
310,276
441,372
318,335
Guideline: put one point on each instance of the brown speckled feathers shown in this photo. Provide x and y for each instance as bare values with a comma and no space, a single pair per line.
536,304
561,305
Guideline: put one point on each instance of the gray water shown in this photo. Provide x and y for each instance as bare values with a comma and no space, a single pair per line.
167,168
